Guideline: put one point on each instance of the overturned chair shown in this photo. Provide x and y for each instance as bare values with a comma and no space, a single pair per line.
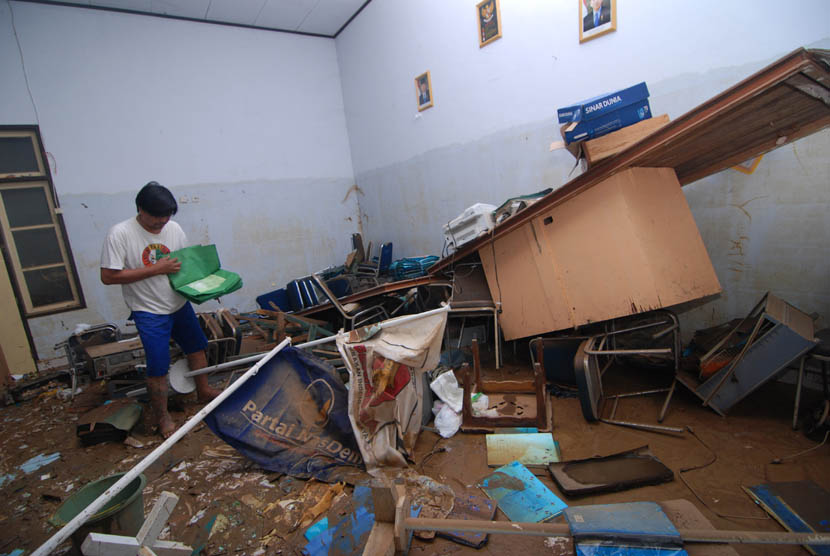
353,314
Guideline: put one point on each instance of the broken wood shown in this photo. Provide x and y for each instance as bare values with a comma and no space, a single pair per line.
64,533
538,419
501,386
146,541
291,317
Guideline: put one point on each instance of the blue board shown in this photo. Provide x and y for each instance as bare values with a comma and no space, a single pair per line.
774,497
349,534
520,495
533,449
470,507
584,549
640,522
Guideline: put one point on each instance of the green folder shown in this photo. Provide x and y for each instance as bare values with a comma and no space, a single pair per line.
200,279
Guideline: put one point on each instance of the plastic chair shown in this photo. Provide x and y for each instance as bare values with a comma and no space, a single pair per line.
352,313
278,297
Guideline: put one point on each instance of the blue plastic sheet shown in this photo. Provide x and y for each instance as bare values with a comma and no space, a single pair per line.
291,417
641,522
610,550
33,464
627,529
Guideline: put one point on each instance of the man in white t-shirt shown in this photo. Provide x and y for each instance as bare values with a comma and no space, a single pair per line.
134,256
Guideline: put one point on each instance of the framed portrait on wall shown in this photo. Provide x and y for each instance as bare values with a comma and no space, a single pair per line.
596,18
423,89
489,22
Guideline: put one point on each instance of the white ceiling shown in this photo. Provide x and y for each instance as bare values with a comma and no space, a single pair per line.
319,17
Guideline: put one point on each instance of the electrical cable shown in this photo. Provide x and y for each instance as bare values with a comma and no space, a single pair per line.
801,453
23,63
696,467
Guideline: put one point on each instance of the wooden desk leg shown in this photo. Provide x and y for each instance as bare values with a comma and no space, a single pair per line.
477,365
466,406
541,401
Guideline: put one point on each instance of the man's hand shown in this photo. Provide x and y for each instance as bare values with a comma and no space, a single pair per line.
165,265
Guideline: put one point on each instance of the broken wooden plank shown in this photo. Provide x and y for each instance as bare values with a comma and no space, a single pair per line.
100,544
156,520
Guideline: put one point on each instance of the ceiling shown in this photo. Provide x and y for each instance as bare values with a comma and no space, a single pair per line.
313,17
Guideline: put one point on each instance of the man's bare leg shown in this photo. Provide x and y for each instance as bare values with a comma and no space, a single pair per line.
157,388
204,390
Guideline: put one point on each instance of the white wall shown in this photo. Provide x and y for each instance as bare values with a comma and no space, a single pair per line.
487,136
246,127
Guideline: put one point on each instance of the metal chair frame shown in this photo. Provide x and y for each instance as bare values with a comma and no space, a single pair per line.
354,319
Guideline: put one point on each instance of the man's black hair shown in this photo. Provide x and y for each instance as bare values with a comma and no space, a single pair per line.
156,200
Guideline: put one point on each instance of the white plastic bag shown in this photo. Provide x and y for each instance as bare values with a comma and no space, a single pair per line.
446,387
480,404
447,421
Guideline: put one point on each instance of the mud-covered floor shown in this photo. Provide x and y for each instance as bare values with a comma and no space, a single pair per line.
253,511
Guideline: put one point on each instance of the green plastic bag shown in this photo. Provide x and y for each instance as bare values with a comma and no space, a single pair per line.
200,279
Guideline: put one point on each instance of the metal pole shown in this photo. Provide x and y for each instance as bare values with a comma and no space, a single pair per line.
643,426
654,351
563,530
50,545
381,325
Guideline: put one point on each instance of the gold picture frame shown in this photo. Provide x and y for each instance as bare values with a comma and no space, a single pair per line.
749,166
488,15
596,18
423,91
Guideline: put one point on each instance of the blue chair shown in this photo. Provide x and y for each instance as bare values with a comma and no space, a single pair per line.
278,297
301,294
378,266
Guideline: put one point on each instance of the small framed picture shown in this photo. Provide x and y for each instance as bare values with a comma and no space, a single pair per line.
489,22
596,17
423,88
749,166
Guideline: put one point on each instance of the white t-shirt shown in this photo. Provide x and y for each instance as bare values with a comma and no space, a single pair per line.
129,246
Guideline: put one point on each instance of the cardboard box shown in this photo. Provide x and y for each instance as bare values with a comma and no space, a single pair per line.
617,141
624,246
602,104
608,122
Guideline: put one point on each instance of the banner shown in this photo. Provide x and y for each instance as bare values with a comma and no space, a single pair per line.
291,417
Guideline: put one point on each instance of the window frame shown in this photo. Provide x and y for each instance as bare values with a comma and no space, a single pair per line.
9,248
14,131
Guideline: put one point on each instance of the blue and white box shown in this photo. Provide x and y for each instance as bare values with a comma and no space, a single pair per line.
599,106
611,121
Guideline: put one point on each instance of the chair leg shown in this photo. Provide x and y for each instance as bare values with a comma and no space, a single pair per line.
666,403
497,337
798,391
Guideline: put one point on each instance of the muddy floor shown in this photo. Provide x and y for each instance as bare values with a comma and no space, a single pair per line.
256,512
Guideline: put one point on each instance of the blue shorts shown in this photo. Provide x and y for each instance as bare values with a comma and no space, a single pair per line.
155,332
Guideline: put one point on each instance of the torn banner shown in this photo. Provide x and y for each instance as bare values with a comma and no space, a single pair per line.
291,417
386,394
